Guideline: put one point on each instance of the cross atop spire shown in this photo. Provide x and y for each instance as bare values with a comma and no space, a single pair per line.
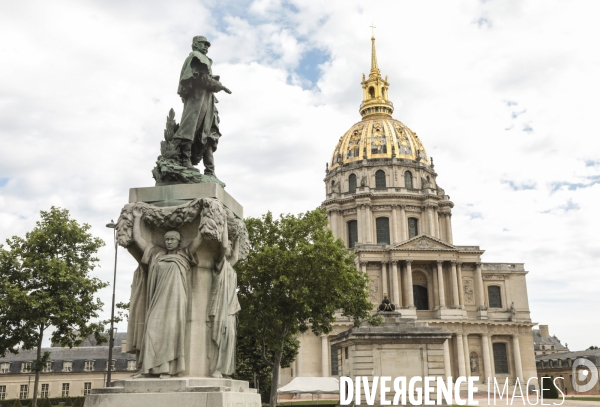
372,30
375,88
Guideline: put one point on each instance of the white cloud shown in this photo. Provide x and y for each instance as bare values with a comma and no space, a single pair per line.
85,88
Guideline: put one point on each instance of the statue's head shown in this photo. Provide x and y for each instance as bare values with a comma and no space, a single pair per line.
172,239
200,44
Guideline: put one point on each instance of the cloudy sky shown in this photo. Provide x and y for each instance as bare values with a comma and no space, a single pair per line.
502,93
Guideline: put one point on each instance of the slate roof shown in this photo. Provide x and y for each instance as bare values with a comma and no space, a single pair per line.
78,356
551,340
592,354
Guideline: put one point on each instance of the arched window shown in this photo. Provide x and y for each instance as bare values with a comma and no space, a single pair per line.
413,227
372,92
352,183
352,233
474,362
420,297
500,357
494,296
380,179
408,180
382,226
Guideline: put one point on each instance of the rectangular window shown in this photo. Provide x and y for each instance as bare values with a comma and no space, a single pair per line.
48,367
346,351
2,392
45,390
131,365
500,357
24,392
494,296
413,227
89,365
65,389
352,233
4,367
26,367
87,388
67,366
334,361
382,227
112,366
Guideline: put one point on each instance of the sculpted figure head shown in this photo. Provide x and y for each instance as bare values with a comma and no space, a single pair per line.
172,239
200,44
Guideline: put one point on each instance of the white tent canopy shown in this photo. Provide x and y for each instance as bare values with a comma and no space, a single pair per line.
314,385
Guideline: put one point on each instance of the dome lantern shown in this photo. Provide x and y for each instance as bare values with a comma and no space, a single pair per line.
375,90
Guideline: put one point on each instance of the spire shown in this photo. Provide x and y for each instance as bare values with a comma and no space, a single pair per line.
375,97
374,68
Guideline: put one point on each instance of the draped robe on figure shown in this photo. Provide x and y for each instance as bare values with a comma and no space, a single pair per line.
159,299
224,306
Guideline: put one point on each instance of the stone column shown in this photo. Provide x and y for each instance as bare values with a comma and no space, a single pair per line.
403,224
441,226
448,220
360,224
461,290
341,227
384,279
363,266
517,357
436,222
368,224
430,220
479,282
447,367
396,285
324,356
467,354
394,236
454,277
440,277
436,291
409,285
487,364
333,216
460,353
492,362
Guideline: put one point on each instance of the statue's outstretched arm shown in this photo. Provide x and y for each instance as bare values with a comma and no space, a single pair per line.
137,232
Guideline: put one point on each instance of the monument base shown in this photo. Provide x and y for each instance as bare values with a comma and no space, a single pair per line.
176,391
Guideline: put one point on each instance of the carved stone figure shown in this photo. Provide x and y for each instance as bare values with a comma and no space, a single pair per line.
172,283
196,137
386,305
513,312
474,364
363,181
162,346
224,304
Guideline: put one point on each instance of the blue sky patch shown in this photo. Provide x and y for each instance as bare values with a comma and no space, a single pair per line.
308,67
519,186
4,181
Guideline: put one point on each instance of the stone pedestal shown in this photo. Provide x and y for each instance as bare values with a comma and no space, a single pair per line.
188,391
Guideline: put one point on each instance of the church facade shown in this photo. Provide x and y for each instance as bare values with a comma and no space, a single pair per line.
383,200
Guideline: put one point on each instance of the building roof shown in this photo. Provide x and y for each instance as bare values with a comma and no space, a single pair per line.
77,355
538,340
592,354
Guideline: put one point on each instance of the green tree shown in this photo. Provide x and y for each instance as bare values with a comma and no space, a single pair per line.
45,282
296,277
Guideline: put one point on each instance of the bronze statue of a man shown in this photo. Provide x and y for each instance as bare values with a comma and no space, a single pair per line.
198,133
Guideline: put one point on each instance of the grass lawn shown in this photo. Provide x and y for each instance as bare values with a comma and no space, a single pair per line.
583,398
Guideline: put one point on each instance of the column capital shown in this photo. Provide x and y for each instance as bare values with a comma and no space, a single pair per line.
478,264
459,263
439,262
364,263
408,262
402,206
515,336
453,262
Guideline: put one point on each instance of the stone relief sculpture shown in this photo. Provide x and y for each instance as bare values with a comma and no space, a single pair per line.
196,137
159,306
363,181
468,291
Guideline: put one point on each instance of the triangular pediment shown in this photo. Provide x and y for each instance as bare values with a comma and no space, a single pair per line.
424,242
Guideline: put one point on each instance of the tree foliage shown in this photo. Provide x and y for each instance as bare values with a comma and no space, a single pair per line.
45,282
296,277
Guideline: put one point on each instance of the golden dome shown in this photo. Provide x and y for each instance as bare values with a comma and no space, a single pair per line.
377,135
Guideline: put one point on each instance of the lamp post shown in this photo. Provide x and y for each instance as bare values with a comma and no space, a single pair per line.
111,335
